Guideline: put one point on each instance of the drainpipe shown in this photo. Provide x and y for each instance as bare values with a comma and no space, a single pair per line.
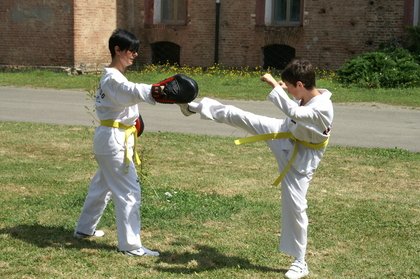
216,39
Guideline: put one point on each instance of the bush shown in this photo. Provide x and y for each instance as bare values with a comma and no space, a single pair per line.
412,41
388,68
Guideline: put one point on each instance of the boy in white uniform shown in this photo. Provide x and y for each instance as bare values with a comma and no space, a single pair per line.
301,141
114,148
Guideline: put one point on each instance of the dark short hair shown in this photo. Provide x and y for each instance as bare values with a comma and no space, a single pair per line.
124,39
300,70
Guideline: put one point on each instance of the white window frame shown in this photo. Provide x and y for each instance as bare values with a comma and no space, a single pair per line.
157,15
269,15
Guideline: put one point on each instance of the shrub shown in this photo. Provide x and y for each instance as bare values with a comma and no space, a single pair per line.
412,41
388,68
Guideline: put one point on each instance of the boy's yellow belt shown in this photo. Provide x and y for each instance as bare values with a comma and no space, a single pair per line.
129,130
283,135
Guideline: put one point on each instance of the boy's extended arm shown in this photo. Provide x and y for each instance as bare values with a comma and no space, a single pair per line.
320,116
268,78
289,107
280,98
309,115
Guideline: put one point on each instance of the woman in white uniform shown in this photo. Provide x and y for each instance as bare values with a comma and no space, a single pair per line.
297,142
114,148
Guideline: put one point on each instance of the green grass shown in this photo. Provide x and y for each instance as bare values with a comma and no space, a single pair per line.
208,207
48,79
408,97
215,82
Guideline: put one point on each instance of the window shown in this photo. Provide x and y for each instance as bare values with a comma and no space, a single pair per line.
283,12
170,11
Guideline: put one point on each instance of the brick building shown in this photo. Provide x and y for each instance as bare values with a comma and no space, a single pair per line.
74,33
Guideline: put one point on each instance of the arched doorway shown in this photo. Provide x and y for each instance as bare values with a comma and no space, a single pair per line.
165,52
278,56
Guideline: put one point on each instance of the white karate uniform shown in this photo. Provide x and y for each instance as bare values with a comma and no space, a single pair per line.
116,99
311,123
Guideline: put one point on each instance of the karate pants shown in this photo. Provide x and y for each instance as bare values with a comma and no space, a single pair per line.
112,181
294,220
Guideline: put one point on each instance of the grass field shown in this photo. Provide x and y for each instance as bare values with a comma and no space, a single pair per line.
216,82
208,207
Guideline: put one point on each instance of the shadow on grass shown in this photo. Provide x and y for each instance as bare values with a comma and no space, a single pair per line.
206,258
46,236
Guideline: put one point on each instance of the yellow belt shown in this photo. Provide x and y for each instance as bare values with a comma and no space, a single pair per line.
129,130
283,135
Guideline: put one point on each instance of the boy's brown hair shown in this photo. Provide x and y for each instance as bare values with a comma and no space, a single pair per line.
300,70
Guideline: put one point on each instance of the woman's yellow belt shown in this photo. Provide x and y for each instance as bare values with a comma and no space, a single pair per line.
283,135
129,130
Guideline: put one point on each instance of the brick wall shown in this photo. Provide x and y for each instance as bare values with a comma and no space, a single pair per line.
238,44
94,21
333,33
196,37
131,16
37,32
71,33
330,34
75,32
